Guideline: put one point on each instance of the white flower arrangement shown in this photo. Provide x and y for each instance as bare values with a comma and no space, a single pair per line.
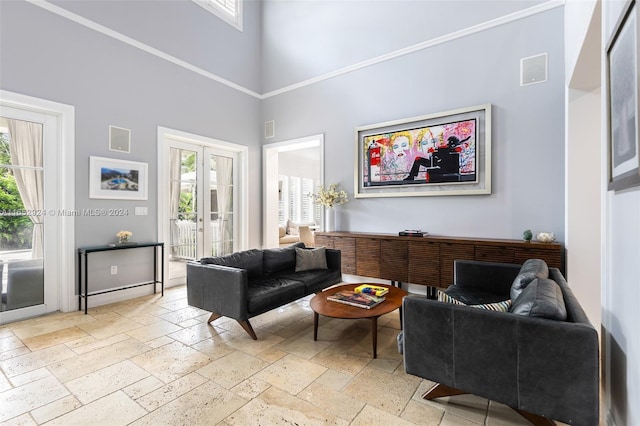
124,235
329,196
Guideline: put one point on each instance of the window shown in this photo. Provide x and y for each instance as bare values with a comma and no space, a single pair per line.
228,10
294,203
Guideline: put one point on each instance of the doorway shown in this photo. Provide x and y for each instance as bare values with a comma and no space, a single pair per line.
292,169
36,263
201,210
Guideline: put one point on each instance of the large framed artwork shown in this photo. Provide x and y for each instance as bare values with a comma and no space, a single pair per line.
622,101
447,153
117,179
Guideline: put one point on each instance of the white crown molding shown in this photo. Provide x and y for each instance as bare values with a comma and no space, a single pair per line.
483,26
135,43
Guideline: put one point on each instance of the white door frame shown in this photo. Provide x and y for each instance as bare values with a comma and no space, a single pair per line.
59,163
165,137
270,181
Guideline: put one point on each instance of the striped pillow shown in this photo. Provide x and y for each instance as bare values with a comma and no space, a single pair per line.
496,307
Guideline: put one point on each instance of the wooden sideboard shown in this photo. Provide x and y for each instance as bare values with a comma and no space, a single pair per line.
428,260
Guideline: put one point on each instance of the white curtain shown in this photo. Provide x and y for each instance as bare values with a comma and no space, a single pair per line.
175,162
224,178
25,146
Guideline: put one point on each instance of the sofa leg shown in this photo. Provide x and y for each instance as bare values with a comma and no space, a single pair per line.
213,317
439,390
247,327
535,418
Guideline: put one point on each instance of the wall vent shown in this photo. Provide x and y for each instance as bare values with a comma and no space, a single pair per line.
269,129
119,139
533,69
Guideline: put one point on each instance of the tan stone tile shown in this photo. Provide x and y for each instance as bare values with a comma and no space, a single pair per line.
422,413
30,396
9,343
372,416
397,390
89,362
213,348
164,394
232,369
109,326
452,420
181,315
331,401
502,415
333,379
14,353
34,360
30,376
207,404
250,388
143,387
153,331
111,379
291,373
468,407
271,355
114,409
247,345
4,383
90,343
171,361
338,359
159,341
192,335
303,345
56,409
54,338
23,420
277,407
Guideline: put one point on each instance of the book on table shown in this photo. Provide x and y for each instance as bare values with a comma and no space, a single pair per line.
361,300
374,290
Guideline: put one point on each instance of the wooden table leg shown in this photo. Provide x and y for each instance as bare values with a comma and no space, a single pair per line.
374,336
315,326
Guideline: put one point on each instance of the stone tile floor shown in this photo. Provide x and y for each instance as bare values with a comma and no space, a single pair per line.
154,360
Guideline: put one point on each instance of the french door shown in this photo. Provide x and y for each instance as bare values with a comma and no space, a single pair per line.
27,234
202,204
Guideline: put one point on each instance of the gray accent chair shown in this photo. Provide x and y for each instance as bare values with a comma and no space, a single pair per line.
25,284
546,369
245,284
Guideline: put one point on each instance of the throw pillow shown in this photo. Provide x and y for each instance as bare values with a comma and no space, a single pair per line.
281,231
530,270
502,306
292,228
542,299
309,259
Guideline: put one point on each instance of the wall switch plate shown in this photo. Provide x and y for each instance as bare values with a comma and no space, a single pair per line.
114,270
141,211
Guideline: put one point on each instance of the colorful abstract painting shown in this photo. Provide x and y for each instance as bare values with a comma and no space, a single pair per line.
443,153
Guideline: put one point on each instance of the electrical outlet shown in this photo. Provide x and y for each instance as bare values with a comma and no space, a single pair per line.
114,270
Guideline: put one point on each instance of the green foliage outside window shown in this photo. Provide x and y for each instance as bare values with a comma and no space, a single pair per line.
15,231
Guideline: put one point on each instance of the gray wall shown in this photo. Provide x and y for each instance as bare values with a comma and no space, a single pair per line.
620,294
528,122
111,83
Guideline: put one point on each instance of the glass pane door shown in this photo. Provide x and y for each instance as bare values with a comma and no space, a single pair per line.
22,217
183,210
221,203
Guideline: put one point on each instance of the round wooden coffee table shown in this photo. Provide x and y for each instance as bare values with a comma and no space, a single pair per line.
327,308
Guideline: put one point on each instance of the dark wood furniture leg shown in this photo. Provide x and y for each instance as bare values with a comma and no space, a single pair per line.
213,317
374,336
315,326
440,390
247,327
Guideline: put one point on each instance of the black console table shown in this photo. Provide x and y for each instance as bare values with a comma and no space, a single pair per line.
84,252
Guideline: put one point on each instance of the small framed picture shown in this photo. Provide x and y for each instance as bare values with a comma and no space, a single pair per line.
114,179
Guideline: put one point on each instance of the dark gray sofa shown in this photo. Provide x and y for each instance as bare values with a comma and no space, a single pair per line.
543,368
249,283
